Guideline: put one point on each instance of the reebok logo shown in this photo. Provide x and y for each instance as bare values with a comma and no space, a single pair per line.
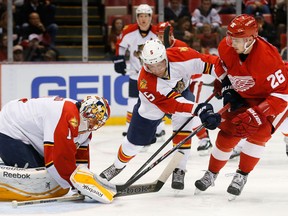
16,175
86,187
255,115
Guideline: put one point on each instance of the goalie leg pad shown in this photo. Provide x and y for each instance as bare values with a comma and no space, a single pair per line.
84,181
27,184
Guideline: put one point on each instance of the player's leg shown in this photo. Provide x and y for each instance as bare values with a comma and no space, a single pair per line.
16,153
141,132
179,172
132,100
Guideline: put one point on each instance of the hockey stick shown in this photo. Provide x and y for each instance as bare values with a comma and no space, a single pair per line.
74,197
166,40
167,141
130,190
125,188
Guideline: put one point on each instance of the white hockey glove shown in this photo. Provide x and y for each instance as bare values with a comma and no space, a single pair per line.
92,186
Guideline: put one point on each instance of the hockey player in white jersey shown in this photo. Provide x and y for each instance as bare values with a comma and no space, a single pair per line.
132,39
163,85
42,140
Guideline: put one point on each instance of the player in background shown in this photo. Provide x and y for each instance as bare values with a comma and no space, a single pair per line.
132,40
254,81
46,138
205,145
163,85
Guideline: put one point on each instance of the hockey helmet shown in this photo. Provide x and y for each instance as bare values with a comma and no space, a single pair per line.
144,9
153,52
243,26
94,112
162,26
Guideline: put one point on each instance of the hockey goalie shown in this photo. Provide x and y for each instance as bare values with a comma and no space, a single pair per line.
44,146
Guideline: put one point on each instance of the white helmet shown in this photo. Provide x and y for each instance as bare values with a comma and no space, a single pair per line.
94,112
145,9
153,52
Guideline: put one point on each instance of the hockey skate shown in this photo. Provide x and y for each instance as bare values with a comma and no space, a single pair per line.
235,153
286,142
206,181
160,136
110,172
178,179
237,185
205,147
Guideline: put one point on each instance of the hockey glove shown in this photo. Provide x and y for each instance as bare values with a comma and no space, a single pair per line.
119,64
248,123
230,95
207,115
217,89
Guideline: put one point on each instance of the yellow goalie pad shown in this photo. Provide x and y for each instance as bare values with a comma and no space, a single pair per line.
27,184
90,185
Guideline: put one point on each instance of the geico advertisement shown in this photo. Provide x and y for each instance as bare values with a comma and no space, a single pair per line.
73,80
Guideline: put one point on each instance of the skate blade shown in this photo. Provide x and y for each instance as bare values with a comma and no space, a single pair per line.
177,192
231,197
197,191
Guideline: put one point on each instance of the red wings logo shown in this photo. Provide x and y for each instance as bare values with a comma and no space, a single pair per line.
242,83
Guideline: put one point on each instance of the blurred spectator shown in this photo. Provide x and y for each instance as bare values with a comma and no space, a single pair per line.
35,50
35,26
114,35
280,17
18,55
208,39
3,48
3,28
253,6
224,6
174,11
50,55
266,30
206,14
46,12
184,31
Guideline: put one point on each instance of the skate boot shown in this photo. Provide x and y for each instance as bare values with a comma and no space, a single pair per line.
160,136
110,172
286,142
205,147
237,185
178,179
206,181
235,153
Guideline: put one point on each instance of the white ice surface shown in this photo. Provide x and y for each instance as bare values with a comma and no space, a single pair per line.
266,191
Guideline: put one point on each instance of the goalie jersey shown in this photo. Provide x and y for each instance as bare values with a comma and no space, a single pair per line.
50,125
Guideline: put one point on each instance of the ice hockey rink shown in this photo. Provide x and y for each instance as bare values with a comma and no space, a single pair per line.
266,191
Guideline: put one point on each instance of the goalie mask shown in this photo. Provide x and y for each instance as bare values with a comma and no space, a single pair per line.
94,112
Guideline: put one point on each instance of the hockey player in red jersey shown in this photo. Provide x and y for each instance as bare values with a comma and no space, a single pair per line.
254,81
163,85
205,144
45,139
132,39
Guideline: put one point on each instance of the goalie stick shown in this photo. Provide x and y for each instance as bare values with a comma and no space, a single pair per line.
130,190
167,141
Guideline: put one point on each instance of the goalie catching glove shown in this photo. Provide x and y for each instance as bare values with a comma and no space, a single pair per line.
248,123
119,64
207,115
88,184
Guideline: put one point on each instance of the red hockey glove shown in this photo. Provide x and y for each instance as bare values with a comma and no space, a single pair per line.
217,89
248,123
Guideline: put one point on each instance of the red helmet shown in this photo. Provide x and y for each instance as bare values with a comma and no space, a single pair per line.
162,26
243,26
